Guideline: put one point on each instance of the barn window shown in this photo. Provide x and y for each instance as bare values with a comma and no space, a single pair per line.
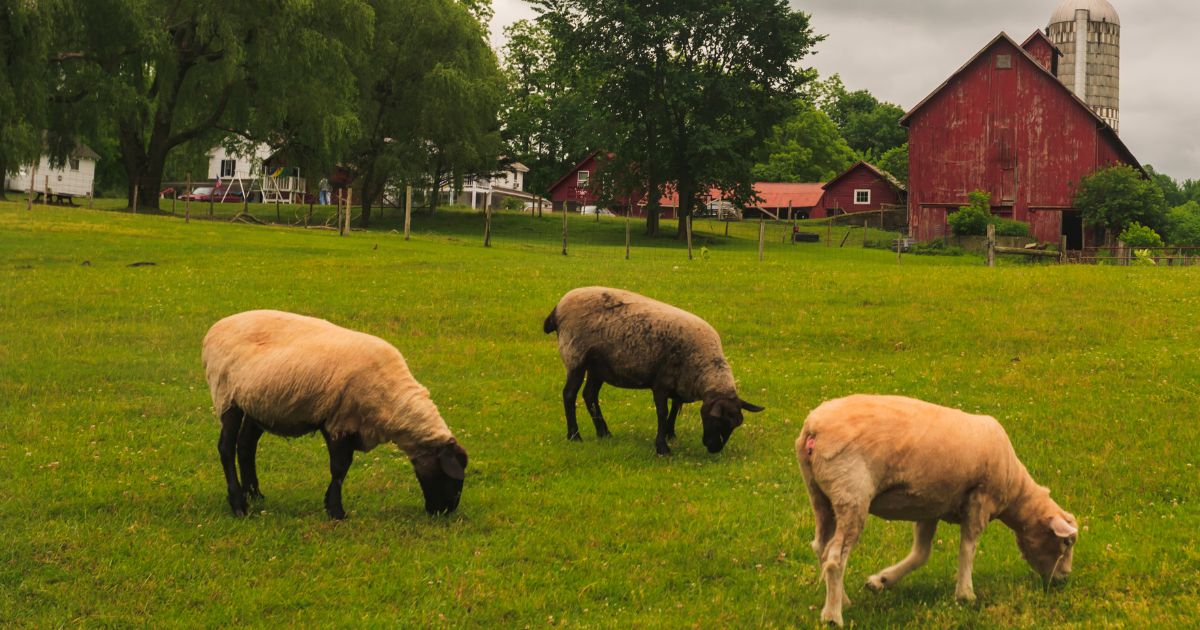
862,196
1003,62
228,168
74,163
585,177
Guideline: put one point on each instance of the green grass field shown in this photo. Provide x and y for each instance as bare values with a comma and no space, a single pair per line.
112,501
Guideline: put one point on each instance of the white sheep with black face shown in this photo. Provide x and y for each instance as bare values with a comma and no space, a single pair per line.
293,375
904,459
634,342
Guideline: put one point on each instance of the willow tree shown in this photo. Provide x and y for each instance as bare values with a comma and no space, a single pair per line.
168,72
689,90
26,32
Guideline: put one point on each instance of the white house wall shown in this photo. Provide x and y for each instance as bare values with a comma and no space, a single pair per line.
61,180
247,165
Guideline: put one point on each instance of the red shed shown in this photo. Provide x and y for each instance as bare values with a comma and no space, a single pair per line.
1005,124
574,190
862,188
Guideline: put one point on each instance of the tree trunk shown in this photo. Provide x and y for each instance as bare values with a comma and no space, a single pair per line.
686,192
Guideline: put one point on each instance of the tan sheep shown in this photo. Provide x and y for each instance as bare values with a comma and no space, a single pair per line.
634,342
292,375
904,459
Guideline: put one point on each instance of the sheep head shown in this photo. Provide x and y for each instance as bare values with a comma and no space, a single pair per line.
721,415
1048,544
441,472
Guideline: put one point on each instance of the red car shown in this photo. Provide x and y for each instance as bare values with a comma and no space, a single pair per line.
208,193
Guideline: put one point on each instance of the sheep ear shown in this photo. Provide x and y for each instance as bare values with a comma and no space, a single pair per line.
751,407
453,460
1062,528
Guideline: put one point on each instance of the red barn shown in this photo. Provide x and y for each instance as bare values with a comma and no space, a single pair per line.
862,188
1003,123
574,191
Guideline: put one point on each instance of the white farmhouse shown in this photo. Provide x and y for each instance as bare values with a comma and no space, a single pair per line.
491,191
73,179
254,173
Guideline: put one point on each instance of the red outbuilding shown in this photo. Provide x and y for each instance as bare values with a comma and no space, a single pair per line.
1003,123
862,188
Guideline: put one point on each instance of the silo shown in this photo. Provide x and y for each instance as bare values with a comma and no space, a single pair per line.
1088,34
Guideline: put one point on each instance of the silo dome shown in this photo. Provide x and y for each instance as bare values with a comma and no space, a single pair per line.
1088,34
1100,10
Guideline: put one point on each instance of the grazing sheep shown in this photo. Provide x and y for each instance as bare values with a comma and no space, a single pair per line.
904,459
634,342
292,375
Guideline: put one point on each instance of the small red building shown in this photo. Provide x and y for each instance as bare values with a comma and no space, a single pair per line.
862,188
1003,123
575,191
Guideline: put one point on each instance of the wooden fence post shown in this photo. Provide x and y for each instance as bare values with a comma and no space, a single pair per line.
1062,250
187,202
829,231
135,198
91,194
566,211
762,236
407,211
899,248
866,228
349,205
689,236
277,218
792,216
627,213
46,191
991,245
487,225
174,196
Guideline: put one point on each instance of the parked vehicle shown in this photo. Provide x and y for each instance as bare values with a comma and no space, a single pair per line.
208,193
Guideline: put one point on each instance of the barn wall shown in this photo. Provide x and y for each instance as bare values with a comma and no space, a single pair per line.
1017,133
840,194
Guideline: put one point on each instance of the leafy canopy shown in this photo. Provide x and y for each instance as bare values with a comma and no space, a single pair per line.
1116,196
807,147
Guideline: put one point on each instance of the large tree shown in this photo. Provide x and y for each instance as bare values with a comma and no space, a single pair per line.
688,91
26,37
428,96
170,72
871,127
1113,197
807,147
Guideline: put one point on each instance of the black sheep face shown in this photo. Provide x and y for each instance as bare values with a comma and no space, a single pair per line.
721,416
441,474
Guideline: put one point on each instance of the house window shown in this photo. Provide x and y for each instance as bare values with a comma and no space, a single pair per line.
585,177
862,197
74,162
228,168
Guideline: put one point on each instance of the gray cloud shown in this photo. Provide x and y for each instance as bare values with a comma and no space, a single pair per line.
901,51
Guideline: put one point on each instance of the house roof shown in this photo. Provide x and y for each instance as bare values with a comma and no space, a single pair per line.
85,152
780,194
882,174
519,167
1003,37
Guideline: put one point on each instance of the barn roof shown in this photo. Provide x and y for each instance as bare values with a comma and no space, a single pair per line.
781,194
1003,37
884,175
1038,34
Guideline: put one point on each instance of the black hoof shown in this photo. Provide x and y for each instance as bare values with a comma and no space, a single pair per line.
575,437
603,433
670,436
336,512
238,505
254,494
663,450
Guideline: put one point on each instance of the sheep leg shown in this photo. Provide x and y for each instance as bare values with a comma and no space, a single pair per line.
823,520
975,519
675,405
247,448
660,441
570,393
231,424
591,399
341,454
850,519
923,532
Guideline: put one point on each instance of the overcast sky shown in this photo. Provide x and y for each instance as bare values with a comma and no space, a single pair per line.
901,51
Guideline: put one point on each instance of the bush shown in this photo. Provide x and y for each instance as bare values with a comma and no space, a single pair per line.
1140,236
1008,227
973,218
935,248
512,204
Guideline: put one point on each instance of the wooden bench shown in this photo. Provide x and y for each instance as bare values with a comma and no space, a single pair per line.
56,199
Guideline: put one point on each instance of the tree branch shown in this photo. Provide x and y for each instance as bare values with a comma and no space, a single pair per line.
208,123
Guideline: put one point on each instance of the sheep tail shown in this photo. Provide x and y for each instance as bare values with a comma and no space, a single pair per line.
551,323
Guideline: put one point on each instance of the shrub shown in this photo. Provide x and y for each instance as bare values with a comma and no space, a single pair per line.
1008,227
1140,236
935,248
973,218
512,204
1183,225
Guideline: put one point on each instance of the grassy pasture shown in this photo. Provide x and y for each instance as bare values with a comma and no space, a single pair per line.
112,501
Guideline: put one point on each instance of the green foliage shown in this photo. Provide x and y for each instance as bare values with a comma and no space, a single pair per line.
805,148
1183,225
936,248
1137,235
973,218
512,204
895,161
1113,197
871,127
1173,193
1009,227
